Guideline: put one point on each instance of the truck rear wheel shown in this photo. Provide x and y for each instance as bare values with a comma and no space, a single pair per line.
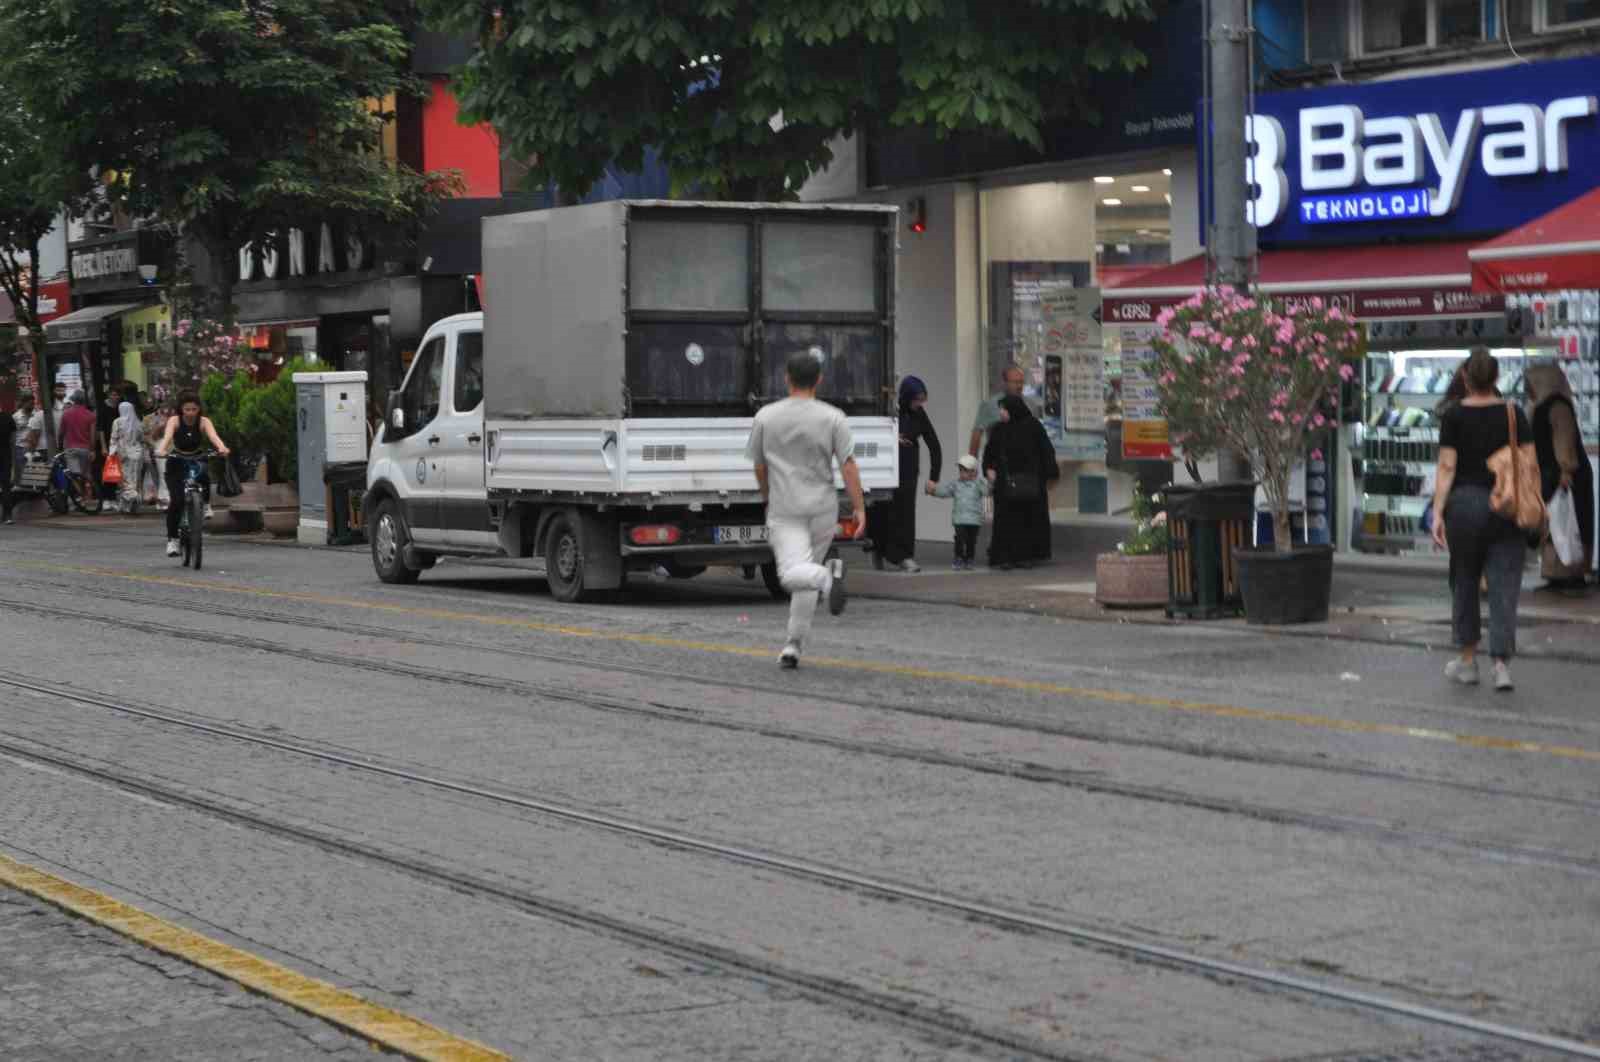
389,541
563,559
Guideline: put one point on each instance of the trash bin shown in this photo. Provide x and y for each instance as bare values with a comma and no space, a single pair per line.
1205,522
344,482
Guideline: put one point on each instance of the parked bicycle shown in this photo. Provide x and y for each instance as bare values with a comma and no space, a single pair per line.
61,487
192,517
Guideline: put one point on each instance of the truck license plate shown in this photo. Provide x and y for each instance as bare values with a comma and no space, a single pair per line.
739,533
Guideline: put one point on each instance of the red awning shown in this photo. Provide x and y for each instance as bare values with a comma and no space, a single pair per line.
1559,250
1371,282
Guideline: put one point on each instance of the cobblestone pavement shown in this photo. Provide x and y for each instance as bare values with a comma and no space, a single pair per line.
455,798
73,990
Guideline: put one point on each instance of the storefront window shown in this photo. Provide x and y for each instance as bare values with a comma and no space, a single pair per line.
1562,12
1049,250
1388,25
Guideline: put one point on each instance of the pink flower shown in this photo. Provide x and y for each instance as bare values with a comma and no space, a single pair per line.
1227,343
1346,371
1316,455
1276,416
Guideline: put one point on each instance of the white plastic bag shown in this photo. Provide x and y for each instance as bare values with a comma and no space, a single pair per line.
1564,533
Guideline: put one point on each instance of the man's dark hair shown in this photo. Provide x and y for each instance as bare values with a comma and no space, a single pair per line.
804,370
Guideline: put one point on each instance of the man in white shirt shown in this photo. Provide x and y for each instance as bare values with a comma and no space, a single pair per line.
793,446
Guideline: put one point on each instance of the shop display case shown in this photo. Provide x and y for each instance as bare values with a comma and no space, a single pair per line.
1397,440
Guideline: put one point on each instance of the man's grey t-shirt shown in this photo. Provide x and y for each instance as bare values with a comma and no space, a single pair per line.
799,439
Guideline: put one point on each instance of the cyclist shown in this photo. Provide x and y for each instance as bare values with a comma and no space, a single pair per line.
186,436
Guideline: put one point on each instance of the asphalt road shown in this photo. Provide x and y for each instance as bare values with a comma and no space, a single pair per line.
619,831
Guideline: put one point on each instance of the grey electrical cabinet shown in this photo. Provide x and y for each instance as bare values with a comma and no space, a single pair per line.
331,423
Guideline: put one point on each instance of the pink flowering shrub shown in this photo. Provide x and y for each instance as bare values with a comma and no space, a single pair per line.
202,349
1240,372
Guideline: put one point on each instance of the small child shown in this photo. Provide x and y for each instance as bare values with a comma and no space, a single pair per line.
967,516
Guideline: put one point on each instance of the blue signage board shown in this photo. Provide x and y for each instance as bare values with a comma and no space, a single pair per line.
1459,155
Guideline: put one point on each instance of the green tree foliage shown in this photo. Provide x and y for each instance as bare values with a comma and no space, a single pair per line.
742,97
35,184
232,119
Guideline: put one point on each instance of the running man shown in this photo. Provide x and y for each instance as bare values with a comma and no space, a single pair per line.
793,445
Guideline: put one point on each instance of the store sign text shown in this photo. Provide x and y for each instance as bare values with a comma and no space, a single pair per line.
1401,166
94,265
270,260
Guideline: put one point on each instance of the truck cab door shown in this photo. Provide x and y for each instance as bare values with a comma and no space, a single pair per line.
418,447
464,505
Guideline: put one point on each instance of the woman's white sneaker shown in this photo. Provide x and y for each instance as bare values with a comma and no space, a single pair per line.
172,547
1462,671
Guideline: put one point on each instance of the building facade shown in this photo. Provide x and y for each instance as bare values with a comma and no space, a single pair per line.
1391,138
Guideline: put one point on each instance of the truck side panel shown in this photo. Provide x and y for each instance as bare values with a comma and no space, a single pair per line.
553,328
693,456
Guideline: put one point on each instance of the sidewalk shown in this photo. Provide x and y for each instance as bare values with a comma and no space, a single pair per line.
1375,599
1384,600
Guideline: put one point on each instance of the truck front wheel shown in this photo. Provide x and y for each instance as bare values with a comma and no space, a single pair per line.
389,544
563,559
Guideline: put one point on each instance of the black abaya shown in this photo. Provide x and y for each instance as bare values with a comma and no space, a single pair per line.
1020,448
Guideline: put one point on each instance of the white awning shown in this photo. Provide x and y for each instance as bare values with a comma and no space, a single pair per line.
85,324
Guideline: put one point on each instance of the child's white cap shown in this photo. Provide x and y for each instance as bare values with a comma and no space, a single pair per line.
968,462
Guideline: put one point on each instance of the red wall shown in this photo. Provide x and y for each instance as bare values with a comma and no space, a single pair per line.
448,145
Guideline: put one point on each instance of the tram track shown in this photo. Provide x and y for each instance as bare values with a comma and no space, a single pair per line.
1022,771
1043,728
941,1022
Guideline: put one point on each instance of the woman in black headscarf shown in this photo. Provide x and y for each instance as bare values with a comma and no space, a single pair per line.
893,524
1020,461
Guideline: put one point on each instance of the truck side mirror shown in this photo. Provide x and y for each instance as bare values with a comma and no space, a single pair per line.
396,411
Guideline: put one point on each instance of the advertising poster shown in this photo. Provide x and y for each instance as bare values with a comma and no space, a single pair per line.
1073,380
1144,432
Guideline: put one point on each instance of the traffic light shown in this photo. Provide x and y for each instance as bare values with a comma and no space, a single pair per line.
917,214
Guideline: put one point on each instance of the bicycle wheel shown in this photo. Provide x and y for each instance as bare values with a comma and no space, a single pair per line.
197,518
75,485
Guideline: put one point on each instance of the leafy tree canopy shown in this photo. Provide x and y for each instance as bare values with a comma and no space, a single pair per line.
35,184
232,119
742,97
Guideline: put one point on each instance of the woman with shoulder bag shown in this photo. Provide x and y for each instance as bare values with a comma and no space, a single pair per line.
1474,437
1020,461
1563,465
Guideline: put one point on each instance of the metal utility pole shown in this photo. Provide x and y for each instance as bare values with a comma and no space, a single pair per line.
1233,241
1231,248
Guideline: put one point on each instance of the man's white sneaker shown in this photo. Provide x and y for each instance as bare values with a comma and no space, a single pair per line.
789,659
1462,671
172,547
836,591
910,567
1502,676
209,513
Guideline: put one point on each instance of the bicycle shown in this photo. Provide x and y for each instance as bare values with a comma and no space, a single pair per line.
63,487
192,517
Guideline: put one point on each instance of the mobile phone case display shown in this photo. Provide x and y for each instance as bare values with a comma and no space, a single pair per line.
1569,323
1397,441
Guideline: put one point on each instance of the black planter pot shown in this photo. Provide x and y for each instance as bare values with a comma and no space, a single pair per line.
1282,588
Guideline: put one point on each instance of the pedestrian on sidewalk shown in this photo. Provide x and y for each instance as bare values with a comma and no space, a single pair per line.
8,435
1019,463
1563,463
966,515
1481,541
78,441
793,446
1012,384
894,522
127,445
155,468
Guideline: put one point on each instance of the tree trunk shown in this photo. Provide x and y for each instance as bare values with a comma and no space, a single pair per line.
222,283
42,388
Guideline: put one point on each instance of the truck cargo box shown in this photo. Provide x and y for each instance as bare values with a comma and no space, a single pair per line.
636,310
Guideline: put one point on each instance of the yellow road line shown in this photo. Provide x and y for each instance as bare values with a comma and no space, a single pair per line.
874,667
390,1028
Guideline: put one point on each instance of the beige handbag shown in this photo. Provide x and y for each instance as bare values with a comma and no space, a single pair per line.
1516,494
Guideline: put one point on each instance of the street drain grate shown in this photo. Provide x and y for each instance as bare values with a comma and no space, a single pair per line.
1436,1053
